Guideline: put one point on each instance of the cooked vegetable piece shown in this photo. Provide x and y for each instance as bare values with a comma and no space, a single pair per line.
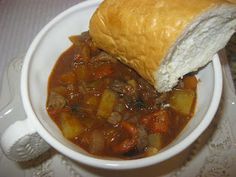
106,104
190,82
70,125
97,141
103,71
75,39
92,100
154,140
128,143
125,146
68,78
133,83
182,101
129,128
114,118
151,151
81,72
156,122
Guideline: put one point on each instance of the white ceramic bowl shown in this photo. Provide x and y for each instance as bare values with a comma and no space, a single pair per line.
39,61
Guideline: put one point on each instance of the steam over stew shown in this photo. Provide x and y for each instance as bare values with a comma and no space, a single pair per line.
107,109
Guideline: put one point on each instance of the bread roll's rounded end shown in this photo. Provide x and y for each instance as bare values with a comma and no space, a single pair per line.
163,39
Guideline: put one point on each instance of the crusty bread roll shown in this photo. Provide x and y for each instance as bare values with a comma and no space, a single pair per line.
163,39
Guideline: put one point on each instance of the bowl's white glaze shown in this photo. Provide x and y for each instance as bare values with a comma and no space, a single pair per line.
45,49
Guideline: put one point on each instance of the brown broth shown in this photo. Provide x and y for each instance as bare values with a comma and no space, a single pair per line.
123,125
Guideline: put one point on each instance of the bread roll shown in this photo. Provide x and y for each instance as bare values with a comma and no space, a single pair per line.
163,39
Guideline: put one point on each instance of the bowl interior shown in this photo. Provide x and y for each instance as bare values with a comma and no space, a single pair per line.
53,40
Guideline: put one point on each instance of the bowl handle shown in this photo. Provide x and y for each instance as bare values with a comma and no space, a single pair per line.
20,142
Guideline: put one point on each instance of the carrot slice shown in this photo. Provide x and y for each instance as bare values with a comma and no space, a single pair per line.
156,122
190,82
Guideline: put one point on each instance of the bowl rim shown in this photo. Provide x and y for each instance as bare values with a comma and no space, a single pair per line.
102,163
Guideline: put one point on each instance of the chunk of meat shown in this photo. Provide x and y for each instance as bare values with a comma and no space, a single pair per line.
124,88
147,93
104,57
56,101
85,45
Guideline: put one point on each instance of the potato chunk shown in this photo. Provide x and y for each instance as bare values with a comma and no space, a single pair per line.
106,104
155,140
70,126
182,101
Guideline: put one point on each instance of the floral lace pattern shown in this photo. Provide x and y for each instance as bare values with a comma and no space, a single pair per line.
221,148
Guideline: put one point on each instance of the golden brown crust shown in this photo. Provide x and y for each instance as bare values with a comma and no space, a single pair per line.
140,33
